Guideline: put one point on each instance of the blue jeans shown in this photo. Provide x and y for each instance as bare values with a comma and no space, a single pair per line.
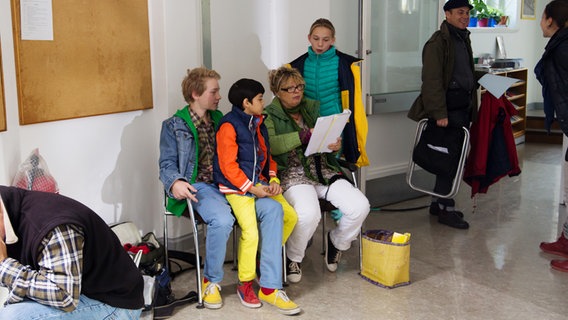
88,309
216,212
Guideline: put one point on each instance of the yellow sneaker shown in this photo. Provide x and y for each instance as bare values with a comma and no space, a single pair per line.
280,300
212,296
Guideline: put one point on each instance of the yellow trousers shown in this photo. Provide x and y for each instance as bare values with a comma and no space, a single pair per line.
245,210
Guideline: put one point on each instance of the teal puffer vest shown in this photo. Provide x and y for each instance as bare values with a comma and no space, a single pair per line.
322,83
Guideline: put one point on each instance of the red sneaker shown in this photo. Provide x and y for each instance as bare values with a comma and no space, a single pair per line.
559,248
560,265
247,295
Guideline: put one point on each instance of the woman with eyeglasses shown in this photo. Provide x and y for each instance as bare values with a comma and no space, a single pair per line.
290,121
334,79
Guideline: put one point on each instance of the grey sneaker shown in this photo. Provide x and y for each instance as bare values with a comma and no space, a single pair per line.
332,255
294,271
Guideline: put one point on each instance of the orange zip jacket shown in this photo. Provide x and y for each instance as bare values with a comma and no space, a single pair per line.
238,171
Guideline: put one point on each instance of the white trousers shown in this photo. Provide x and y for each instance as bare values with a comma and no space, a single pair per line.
344,196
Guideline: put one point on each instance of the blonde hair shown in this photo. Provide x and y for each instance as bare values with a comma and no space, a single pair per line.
279,76
321,22
194,81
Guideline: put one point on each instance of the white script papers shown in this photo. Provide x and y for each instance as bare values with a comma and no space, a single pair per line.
326,131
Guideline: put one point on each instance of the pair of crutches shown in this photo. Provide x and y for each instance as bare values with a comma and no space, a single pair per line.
459,172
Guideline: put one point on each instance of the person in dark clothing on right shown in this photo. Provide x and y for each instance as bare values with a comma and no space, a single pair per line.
448,94
552,72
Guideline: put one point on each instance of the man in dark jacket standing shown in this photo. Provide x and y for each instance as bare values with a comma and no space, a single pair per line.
448,94
59,259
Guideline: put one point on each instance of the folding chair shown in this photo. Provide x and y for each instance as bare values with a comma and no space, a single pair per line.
194,259
326,208
461,164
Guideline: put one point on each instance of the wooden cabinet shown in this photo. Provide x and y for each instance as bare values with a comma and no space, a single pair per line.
517,94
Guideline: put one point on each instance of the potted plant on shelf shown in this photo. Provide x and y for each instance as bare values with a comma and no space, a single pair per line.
495,16
491,19
501,18
472,18
481,12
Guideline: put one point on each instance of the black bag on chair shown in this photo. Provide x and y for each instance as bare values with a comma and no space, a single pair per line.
439,149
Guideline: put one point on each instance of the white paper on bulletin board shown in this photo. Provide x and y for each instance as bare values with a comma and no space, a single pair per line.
36,19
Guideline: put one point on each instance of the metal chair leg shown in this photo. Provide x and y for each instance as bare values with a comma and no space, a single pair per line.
284,272
197,256
166,256
361,249
324,221
235,248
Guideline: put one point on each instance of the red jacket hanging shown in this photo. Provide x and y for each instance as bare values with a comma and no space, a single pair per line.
493,153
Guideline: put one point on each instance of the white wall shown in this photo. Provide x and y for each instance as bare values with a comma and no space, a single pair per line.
109,162
263,35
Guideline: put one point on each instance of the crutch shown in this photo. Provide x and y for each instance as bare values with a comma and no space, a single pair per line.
461,164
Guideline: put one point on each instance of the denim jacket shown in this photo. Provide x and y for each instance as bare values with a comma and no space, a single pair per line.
179,150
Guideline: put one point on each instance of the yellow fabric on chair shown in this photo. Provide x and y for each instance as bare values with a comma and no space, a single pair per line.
385,263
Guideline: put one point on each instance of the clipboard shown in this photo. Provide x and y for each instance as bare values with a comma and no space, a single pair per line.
326,131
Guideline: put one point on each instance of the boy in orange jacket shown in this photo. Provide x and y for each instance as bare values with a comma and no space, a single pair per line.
246,174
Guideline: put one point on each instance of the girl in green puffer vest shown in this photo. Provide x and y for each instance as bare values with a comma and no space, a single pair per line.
334,79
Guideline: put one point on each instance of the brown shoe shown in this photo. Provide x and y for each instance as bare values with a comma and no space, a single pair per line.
560,265
559,248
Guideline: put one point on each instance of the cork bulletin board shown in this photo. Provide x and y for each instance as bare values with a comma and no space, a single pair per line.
2,101
98,61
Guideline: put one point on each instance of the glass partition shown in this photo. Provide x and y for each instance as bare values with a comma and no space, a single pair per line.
399,30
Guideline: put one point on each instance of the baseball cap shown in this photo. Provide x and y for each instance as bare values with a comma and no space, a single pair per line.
452,4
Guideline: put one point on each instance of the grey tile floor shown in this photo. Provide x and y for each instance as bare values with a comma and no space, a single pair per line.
494,270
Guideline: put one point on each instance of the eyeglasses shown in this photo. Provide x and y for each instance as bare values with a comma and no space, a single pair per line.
292,89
